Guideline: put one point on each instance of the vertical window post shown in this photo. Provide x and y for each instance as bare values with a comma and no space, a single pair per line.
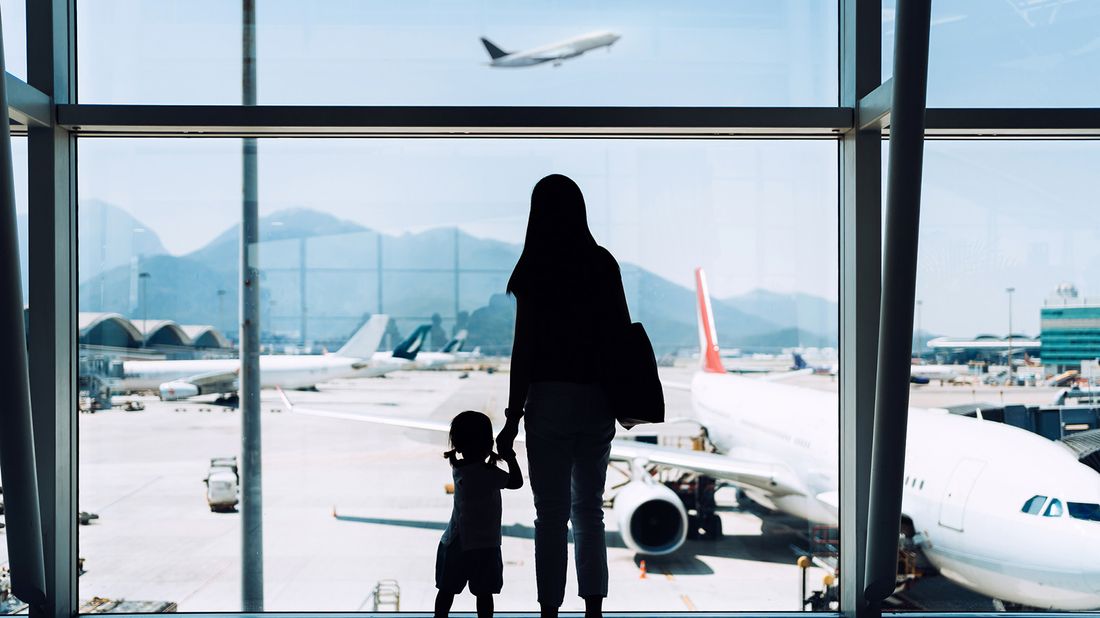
52,355
860,273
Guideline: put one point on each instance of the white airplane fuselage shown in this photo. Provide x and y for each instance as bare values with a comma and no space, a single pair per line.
275,370
968,480
557,52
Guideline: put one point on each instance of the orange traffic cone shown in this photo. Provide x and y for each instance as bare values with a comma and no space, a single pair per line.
642,566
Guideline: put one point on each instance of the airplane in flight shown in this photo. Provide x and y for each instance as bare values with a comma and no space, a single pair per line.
182,379
996,509
555,52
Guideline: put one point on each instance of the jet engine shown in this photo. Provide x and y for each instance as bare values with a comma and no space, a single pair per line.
177,389
652,519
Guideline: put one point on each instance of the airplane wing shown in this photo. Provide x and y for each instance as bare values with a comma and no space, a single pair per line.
200,384
772,479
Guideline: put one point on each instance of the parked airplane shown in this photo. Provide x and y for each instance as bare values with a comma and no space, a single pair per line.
922,374
181,379
449,354
828,369
994,508
555,52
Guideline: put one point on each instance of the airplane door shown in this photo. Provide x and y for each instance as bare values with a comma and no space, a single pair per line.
955,495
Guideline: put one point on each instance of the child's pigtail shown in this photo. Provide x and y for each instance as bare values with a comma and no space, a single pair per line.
452,456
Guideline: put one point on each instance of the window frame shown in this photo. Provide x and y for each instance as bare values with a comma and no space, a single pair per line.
41,108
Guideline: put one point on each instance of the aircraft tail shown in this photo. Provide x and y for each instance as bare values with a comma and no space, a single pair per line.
708,336
366,340
455,345
494,51
412,344
799,362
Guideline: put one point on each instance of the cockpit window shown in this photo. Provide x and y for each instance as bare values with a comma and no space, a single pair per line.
1054,509
1084,510
1034,505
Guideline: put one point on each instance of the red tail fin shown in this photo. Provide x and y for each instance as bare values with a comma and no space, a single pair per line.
708,336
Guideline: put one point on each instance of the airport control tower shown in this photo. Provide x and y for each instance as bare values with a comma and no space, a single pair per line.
1070,327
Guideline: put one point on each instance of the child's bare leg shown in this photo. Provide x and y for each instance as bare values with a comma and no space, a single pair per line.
485,606
443,601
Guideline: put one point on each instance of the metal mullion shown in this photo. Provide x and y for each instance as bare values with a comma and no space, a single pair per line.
26,105
52,299
276,120
860,278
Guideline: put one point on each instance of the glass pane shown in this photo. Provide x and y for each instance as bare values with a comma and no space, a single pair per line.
1007,248
1014,53
426,233
428,52
14,13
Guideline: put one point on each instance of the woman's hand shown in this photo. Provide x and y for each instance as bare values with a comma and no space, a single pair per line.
507,437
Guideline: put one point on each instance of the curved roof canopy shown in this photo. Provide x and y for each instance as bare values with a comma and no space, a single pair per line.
162,332
205,336
114,330
108,329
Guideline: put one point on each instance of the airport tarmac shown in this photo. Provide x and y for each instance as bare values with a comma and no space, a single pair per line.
143,472
347,505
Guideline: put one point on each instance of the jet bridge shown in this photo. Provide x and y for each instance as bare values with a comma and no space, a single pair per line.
1086,445
1053,422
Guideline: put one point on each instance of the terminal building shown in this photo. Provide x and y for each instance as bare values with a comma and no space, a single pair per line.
1070,329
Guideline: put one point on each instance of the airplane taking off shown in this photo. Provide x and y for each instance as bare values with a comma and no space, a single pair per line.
996,509
555,52
181,379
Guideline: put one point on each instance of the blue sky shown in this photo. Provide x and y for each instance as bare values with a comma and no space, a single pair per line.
758,214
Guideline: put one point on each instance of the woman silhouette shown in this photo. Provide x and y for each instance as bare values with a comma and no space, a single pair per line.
569,298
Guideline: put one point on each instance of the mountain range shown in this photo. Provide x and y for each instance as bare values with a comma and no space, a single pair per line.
341,285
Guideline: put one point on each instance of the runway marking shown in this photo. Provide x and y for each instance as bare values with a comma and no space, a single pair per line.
687,602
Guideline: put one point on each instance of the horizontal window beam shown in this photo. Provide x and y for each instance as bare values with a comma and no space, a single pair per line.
874,109
561,122
292,120
1013,122
26,104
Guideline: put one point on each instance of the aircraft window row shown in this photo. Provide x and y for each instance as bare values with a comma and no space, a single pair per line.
1078,510
1034,505
1084,510
912,482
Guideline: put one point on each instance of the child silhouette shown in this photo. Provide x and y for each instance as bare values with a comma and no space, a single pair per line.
469,551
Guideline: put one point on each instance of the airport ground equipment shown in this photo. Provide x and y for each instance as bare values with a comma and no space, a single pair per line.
222,484
696,492
100,605
386,596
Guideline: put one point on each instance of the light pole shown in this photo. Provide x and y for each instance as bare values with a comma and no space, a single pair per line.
1009,291
920,341
143,278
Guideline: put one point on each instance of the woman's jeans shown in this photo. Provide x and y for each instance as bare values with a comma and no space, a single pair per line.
569,430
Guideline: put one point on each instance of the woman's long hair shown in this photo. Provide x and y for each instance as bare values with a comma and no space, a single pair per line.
558,242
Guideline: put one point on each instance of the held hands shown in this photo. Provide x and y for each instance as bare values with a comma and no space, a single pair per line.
507,437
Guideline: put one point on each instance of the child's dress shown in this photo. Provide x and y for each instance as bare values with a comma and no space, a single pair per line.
469,551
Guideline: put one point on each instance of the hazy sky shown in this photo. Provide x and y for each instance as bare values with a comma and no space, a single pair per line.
756,213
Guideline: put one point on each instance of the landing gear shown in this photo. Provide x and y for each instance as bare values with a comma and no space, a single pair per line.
697,494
